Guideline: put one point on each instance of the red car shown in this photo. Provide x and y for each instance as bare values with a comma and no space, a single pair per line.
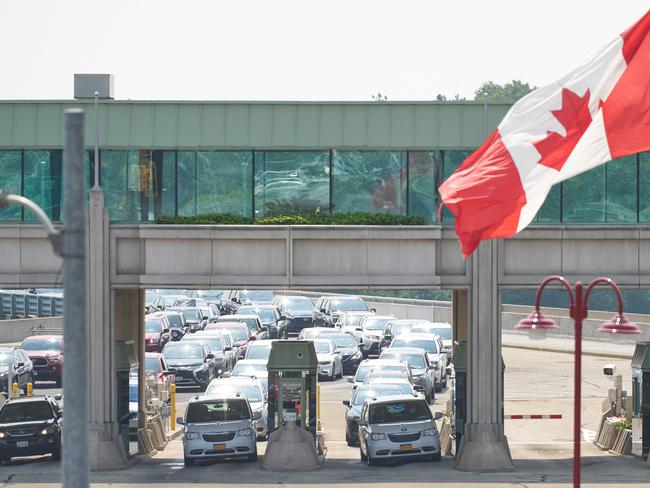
46,354
155,365
239,332
156,332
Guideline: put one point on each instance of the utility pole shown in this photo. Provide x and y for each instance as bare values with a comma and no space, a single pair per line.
96,185
75,465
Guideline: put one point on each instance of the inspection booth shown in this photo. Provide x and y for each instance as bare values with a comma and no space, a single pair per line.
293,380
641,399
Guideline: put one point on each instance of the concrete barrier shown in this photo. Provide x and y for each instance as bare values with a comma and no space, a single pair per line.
12,331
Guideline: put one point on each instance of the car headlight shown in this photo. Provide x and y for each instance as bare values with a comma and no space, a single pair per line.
191,435
357,355
245,432
431,432
48,430
2,435
57,359
378,437
355,417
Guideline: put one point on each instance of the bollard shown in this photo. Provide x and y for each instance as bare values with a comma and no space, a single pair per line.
318,407
15,388
172,396
30,388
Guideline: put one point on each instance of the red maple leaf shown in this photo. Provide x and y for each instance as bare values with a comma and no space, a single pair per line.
575,117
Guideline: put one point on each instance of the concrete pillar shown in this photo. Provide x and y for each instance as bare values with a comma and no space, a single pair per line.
484,446
105,449
460,314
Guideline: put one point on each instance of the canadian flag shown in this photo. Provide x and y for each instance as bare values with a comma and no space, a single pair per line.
598,112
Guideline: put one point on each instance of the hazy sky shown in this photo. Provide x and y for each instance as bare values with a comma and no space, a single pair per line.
298,50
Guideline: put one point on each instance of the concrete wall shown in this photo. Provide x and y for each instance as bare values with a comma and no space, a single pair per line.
12,331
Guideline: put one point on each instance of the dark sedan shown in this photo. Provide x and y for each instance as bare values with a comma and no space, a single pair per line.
298,311
351,355
270,317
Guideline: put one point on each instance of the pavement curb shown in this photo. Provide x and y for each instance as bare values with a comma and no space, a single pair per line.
567,351
174,435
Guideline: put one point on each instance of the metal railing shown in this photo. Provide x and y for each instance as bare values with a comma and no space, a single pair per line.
18,304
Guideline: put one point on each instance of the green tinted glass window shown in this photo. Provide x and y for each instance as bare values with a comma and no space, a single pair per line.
452,160
288,182
644,187
42,181
550,209
10,180
369,181
583,197
168,183
424,168
622,189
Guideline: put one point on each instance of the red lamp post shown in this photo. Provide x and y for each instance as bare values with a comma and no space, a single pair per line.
578,308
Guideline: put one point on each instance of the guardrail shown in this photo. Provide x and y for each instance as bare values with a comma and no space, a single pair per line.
18,304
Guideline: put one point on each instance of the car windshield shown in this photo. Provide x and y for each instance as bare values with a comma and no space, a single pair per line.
385,373
191,315
242,369
256,351
251,392
250,323
214,343
175,321
152,365
152,325
385,413
41,344
443,332
210,294
298,304
401,329
322,347
257,295
237,332
344,341
266,315
362,394
183,351
217,411
429,345
375,324
348,305
5,358
352,320
416,361
25,412
362,372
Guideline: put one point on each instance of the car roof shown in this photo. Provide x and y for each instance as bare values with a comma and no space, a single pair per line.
343,297
381,317
252,361
237,379
224,324
383,361
359,312
321,339
408,321
395,398
34,398
258,305
244,316
217,396
416,335
263,342
441,325
405,350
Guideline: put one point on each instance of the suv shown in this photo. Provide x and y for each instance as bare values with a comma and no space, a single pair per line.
192,363
441,329
270,317
432,345
46,355
232,299
30,426
423,372
327,309
398,426
218,426
255,328
297,310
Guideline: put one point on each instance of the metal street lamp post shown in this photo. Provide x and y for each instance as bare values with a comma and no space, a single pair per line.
578,309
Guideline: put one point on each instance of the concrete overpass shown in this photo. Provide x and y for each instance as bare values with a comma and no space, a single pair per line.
124,259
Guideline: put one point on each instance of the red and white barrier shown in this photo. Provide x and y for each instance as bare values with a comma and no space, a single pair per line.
533,417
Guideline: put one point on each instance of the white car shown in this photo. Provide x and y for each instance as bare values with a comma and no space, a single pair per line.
330,364
441,329
252,390
432,345
252,368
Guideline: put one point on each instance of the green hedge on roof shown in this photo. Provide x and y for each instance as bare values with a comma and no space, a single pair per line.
354,218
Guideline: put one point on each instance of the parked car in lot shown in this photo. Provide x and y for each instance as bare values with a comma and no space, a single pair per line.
397,327
21,367
253,390
432,345
30,426
156,332
255,368
396,427
348,346
238,330
441,329
328,308
194,319
46,355
354,405
216,346
256,331
298,311
377,364
422,370
218,426
270,317
156,367
191,363
330,364
233,299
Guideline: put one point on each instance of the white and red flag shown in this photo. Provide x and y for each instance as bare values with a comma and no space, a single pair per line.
598,112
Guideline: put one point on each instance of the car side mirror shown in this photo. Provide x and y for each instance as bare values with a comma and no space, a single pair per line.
227,348
257,415
437,416
373,310
350,380
322,310
180,420
346,403
360,329
264,328
209,356
20,365
165,331
204,317
283,317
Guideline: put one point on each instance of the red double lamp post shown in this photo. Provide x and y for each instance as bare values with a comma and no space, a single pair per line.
579,301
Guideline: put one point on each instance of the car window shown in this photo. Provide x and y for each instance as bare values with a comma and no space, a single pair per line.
322,347
217,410
242,369
344,341
348,305
41,344
251,392
259,351
384,413
429,345
362,394
25,412
183,351
374,324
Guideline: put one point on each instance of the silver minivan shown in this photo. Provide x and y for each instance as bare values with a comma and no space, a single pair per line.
398,426
219,426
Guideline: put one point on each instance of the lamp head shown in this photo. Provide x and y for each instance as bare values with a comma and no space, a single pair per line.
619,325
537,321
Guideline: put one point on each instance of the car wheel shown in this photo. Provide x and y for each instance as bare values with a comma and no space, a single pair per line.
364,458
188,461
59,382
333,374
438,387
437,457
429,398
253,457
370,460
56,453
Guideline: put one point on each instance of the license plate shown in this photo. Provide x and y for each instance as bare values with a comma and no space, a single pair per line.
35,373
22,443
219,447
405,447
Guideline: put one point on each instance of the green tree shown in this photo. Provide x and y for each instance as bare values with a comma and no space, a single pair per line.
509,92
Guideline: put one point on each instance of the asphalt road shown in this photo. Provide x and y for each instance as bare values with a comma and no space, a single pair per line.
535,382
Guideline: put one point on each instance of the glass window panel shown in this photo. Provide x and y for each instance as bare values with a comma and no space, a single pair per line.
141,178
114,182
621,189
550,209
42,181
224,182
369,181
168,183
10,180
424,167
186,184
451,162
584,197
289,182
644,187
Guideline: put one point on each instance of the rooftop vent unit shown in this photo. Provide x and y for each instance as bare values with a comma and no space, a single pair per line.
85,86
